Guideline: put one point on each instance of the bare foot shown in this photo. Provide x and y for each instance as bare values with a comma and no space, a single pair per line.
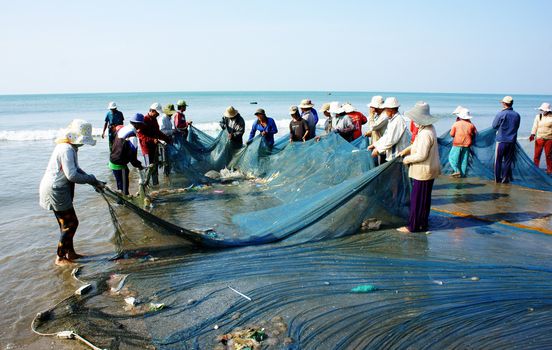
74,256
403,229
63,262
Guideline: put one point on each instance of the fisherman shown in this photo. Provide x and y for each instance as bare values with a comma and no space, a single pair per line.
149,136
124,151
234,125
357,118
541,133
377,123
308,113
507,124
298,127
180,123
424,167
341,122
396,137
328,123
113,118
463,133
165,120
266,126
57,186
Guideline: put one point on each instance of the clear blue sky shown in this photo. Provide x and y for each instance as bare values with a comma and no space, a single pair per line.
439,46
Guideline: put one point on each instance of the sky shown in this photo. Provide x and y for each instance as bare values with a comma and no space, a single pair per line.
254,45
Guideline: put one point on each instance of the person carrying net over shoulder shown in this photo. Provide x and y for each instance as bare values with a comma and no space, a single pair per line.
57,187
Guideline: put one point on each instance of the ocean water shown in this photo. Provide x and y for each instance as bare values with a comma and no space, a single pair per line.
28,124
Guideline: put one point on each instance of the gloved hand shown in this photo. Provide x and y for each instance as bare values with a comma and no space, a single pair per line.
532,138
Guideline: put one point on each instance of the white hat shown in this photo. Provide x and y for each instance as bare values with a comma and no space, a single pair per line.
458,110
157,107
306,104
112,105
335,107
230,112
391,102
545,107
464,114
348,108
508,99
79,132
376,102
420,114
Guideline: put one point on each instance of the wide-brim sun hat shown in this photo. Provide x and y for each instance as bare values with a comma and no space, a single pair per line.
545,107
325,107
376,102
348,108
335,107
230,112
138,118
79,132
465,114
112,105
169,109
420,114
306,104
391,102
458,110
156,107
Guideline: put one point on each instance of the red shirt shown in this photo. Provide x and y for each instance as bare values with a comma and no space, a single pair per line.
149,134
358,120
413,130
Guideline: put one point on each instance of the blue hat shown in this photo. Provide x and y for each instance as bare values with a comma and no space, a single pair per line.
137,118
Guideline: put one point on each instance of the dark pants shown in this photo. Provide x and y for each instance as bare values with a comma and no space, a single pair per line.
152,158
121,177
68,223
546,145
420,204
504,158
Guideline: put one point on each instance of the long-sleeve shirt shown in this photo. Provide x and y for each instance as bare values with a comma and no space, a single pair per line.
235,127
124,151
311,120
149,134
358,120
270,129
165,124
463,132
507,123
395,138
378,124
424,155
542,126
62,172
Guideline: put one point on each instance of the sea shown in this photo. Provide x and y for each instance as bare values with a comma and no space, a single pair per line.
29,123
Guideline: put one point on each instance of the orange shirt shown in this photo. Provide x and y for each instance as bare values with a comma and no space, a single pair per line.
463,132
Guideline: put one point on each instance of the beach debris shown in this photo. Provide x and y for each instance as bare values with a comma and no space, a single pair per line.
83,289
213,174
365,288
438,282
474,278
327,283
132,301
262,334
156,306
243,295
218,191
191,301
371,224
229,175
216,327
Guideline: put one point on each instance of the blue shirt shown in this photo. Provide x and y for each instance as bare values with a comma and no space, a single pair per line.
270,130
507,123
114,117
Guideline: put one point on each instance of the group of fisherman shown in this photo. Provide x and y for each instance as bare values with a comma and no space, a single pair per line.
388,133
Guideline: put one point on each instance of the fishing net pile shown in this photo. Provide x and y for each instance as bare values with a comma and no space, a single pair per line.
335,276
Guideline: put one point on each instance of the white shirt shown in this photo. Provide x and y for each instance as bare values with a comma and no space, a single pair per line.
395,138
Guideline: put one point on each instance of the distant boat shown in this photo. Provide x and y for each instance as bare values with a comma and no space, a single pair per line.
253,103
329,93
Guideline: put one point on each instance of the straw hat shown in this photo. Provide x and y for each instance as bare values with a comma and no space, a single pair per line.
306,104
79,132
391,102
169,110
508,99
420,114
335,107
325,107
348,108
181,103
112,105
230,112
156,107
545,107
465,114
293,110
376,102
